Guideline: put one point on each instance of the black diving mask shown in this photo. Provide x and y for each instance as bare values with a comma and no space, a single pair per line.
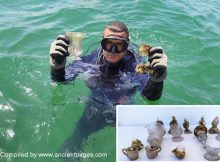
114,44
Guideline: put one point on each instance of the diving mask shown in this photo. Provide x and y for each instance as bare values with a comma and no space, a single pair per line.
114,44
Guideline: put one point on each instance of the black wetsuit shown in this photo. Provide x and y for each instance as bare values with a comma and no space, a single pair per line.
110,84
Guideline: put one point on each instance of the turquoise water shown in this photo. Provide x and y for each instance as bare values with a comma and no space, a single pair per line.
37,116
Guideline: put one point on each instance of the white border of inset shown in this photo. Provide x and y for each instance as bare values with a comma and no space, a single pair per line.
192,112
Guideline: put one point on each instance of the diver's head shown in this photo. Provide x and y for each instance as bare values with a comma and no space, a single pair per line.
115,41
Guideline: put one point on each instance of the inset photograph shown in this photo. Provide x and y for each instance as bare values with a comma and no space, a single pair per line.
168,133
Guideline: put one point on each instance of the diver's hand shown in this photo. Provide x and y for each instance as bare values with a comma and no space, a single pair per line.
158,61
59,52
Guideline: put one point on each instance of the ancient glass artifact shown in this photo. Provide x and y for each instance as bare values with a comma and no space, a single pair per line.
156,132
214,129
176,132
179,151
75,48
202,121
152,151
137,144
131,152
201,131
144,50
212,154
218,137
186,127
173,122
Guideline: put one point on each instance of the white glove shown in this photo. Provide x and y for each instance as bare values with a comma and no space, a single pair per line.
158,61
58,52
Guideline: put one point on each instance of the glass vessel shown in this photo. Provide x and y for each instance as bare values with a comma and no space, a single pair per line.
218,137
201,131
211,153
186,127
179,151
214,129
75,48
131,153
152,151
176,132
156,131
137,144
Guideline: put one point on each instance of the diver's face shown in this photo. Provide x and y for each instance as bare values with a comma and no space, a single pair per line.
116,57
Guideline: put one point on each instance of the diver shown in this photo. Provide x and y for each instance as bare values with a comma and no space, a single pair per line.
111,78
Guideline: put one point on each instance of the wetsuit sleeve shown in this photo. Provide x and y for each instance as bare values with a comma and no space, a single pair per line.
152,90
71,71
65,74
57,75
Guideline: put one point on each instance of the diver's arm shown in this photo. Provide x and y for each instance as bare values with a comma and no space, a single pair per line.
70,71
60,72
58,53
153,90
154,87
57,75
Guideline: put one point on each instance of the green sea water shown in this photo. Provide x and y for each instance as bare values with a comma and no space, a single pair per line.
37,116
